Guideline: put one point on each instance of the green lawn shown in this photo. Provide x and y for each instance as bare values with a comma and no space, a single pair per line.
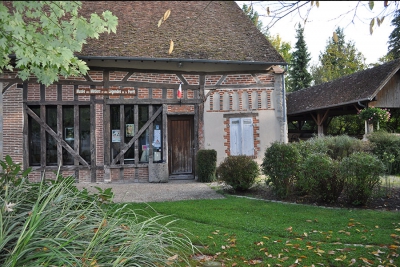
240,232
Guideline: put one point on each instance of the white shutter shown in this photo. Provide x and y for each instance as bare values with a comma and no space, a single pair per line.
235,140
247,137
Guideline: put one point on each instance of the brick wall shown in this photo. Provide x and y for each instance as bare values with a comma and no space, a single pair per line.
13,124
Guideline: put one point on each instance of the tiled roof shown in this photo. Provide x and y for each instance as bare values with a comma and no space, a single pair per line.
206,30
360,86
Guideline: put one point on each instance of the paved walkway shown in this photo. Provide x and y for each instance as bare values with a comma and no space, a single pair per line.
156,192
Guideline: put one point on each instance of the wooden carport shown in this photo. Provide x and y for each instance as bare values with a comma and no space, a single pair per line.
378,86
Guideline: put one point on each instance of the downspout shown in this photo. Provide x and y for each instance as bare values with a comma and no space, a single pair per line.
284,119
359,103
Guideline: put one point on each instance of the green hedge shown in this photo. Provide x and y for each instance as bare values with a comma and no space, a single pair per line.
206,162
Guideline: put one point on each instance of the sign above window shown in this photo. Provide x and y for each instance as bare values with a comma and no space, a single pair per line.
105,91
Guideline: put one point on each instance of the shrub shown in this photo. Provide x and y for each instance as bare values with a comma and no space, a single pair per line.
281,164
374,115
361,172
52,224
386,147
337,147
240,172
319,178
206,165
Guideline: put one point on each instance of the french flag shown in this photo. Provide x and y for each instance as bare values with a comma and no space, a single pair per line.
180,91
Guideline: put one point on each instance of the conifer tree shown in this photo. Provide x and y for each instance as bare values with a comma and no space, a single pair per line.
394,37
299,76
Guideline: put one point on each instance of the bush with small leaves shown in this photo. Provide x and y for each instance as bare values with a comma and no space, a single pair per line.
386,147
206,165
337,147
361,172
240,172
281,165
319,178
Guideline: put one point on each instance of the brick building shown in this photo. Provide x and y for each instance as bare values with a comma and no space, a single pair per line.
123,122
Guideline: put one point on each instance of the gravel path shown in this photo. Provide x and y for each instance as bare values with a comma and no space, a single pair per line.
174,190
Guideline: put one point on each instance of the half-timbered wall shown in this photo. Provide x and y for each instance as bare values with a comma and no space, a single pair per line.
211,99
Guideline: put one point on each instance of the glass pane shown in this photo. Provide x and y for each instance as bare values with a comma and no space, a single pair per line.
144,138
115,131
157,137
68,134
51,144
34,139
84,133
129,157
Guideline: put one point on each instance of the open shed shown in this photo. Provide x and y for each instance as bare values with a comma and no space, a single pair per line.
378,86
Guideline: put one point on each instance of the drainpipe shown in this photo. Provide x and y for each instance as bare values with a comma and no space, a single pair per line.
359,103
285,138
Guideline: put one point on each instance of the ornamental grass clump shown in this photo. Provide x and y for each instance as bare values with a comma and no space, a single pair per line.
53,224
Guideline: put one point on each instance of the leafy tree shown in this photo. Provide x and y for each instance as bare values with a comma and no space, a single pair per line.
299,76
253,15
340,58
347,124
282,47
43,37
394,37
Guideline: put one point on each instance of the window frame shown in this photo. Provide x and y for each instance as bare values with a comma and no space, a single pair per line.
241,130
59,129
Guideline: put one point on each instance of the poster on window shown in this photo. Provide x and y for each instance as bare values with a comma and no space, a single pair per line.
129,130
157,138
115,136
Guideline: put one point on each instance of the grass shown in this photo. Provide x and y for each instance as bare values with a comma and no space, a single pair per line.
391,181
240,232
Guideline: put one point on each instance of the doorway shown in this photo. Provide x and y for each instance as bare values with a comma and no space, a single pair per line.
180,147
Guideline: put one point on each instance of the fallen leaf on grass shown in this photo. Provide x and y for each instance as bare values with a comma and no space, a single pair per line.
376,253
367,261
254,262
352,261
341,258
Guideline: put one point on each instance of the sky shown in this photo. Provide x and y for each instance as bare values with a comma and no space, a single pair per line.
323,21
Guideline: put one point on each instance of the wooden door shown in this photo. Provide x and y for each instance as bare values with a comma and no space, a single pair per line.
180,145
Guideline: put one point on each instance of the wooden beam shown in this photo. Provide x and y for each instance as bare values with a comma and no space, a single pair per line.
56,137
136,136
239,86
131,101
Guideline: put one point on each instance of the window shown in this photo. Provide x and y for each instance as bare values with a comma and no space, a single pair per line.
70,126
241,136
34,138
124,126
